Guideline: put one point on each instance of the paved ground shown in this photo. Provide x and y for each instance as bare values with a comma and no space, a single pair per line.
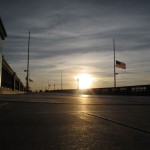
74,122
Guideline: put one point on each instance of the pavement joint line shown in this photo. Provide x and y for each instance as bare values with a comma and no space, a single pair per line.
70,103
3,104
116,122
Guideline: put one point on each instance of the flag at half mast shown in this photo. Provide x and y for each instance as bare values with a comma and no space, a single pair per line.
120,64
30,80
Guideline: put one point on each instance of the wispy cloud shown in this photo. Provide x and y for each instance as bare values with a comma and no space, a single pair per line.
77,36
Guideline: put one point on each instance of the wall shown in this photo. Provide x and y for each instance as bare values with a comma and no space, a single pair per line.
1,44
3,34
9,82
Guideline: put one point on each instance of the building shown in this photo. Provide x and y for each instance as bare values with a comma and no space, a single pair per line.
9,82
3,34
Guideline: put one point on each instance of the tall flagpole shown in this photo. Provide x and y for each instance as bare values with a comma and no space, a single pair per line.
27,79
114,63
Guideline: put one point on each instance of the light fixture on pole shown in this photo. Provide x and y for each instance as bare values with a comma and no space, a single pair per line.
27,78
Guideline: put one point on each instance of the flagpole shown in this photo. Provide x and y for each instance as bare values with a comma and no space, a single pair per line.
114,62
27,80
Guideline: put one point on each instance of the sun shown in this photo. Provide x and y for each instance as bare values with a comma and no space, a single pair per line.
84,81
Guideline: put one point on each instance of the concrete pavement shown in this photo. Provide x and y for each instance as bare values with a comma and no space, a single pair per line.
63,122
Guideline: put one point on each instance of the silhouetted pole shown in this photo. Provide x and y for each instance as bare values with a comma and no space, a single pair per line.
27,79
114,63
48,86
54,87
77,83
61,80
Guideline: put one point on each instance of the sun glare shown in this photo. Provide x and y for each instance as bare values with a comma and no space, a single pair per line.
84,81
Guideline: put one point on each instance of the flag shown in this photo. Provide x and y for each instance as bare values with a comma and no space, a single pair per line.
30,80
120,64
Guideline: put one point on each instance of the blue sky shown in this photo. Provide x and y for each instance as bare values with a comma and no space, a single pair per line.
75,36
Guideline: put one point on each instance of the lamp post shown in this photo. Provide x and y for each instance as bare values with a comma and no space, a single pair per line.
27,78
61,81
78,83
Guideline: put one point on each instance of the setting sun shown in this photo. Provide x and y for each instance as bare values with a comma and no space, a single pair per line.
84,81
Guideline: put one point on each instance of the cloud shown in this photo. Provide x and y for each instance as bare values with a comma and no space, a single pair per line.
76,35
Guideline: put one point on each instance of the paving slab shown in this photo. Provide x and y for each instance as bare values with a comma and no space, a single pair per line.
64,122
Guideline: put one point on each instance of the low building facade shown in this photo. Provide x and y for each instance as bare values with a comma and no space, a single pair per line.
9,81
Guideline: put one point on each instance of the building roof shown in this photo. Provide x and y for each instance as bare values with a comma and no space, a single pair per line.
3,33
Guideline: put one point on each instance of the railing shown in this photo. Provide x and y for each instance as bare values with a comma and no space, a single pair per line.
10,79
126,90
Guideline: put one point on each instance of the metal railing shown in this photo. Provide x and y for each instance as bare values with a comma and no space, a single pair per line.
138,90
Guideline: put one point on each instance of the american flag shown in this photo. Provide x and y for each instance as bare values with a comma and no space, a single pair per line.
30,80
120,64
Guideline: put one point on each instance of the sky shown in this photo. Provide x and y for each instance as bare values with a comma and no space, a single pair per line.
76,36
